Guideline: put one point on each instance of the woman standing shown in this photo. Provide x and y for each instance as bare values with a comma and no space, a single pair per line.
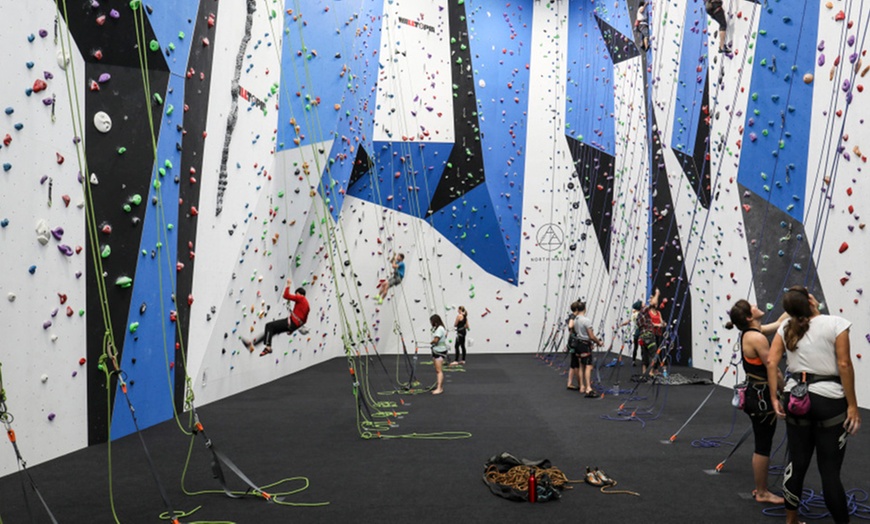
819,359
755,350
439,351
462,327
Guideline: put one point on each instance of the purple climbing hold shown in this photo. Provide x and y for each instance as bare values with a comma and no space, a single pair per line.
851,40
821,59
66,250
51,416
105,77
46,324
114,14
48,101
47,75
57,233
821,46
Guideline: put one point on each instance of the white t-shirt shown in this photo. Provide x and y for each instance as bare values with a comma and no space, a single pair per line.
581,325
815,354
441,346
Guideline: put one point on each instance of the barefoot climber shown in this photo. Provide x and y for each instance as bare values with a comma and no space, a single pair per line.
288,325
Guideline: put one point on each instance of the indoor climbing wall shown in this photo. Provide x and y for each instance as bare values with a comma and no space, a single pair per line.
521,155
43,355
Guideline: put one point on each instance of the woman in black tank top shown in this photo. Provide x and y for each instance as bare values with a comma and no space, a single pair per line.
754,348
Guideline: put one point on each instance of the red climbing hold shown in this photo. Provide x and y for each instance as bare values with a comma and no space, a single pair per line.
65,199
189,300
82,361
205,42
840,16
843,247
69,311
98,54
193,211
843,280
39,85
62,298
60,158
7,140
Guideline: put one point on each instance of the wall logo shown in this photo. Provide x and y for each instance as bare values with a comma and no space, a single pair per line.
550,237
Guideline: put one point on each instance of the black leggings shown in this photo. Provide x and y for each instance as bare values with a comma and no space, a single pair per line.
635,343
460,344
273,328
830,445
718,14
763,418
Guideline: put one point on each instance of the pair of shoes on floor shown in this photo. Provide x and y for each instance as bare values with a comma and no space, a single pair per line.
598,478
266,351
591,394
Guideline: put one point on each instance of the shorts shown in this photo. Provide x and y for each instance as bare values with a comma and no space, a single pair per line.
575,361
587,360
394,280
436,356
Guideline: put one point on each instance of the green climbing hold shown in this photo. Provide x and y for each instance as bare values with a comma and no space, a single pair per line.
135,4
122,150
106,251
170,109
134,326
127,208
181,35
136,199
153,45
124,282
158,99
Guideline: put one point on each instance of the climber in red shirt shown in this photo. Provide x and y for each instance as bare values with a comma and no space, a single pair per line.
290,324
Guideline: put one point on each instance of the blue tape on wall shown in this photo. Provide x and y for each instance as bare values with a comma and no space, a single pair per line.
589,86
777,127
691,79
148,351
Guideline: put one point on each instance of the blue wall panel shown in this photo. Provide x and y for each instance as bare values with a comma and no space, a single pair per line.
691,78
589,90
147,353
777,126
169,20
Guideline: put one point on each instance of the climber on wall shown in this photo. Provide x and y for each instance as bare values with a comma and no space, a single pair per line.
398,264
716,11
290,324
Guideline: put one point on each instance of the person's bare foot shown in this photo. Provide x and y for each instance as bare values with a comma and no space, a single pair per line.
767,497
438,392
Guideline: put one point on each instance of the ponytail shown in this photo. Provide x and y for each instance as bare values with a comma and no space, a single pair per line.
795,330
796,303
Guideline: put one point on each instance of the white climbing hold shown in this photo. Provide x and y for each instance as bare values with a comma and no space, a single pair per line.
54,338
103,122
44,378
62,59
94,180
43,234
11,297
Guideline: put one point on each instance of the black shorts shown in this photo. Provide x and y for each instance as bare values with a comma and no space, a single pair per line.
575,361
436,356
587,360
